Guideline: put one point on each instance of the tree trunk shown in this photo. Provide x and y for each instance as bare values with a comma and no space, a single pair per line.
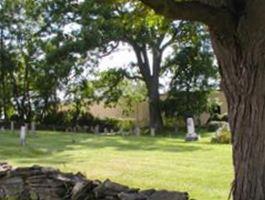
155,116
242,66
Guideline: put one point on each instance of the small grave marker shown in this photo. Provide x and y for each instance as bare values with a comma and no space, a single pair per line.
23,135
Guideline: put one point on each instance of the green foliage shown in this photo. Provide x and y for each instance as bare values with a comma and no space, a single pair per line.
215,125
114,89
126,124
59,118
186,103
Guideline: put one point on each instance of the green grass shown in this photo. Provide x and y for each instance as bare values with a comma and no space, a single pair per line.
200,168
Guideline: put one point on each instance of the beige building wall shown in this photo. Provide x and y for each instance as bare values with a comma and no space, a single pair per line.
140,112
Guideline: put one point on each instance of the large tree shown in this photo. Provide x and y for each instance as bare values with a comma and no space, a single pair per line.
148,35
237,31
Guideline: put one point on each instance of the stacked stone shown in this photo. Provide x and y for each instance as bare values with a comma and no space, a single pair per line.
38,183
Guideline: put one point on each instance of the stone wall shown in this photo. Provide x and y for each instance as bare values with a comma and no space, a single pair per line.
39,183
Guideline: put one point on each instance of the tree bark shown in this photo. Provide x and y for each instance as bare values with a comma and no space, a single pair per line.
242,67
155,115
151,80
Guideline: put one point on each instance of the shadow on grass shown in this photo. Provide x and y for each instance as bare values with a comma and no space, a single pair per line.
47,148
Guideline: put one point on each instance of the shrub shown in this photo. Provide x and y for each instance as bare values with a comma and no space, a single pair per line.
224,117
60,118
215,125
223,135
126,124
85,119
172,122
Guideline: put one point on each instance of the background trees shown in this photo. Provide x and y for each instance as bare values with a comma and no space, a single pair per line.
150,37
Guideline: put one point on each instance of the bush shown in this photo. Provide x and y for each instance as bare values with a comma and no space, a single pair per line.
85,119
60,118
215,125
172,122
126,124
224,117
223,135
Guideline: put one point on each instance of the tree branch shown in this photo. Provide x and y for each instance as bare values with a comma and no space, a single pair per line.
191,11
131,77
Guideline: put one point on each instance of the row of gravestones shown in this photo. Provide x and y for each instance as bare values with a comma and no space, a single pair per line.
23,131
190,136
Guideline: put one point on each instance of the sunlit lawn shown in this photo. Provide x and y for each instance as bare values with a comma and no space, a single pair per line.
202,169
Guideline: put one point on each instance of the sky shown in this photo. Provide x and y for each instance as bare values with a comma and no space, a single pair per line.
123,57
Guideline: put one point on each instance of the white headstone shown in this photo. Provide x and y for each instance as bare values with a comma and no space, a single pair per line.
12,126
153,132
23,135
2,128
106,130
191,135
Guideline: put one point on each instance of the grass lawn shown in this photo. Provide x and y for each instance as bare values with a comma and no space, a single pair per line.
202,169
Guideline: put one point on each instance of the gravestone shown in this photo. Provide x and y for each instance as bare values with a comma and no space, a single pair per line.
106,130
12,126
137,131
153,132
96,129
26,127
122,132
191,135
23,135
2,128
33,127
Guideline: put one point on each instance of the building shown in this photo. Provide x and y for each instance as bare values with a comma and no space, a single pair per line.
140,112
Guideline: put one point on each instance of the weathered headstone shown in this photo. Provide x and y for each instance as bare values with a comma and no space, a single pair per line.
26,127
2,128
191,135
137,131
23,135
96,129
122,132
153,132
33,127
176,129
12,126
106,130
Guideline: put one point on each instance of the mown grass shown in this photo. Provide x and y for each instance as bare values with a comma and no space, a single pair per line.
200,168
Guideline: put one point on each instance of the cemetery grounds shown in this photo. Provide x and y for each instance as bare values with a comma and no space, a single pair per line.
200,168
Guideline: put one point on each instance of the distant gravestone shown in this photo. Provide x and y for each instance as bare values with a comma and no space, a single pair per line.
12,126
2,128
26,127
33,127
23,135
96,129
121,131
191,135
106,130
153,132
137,131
